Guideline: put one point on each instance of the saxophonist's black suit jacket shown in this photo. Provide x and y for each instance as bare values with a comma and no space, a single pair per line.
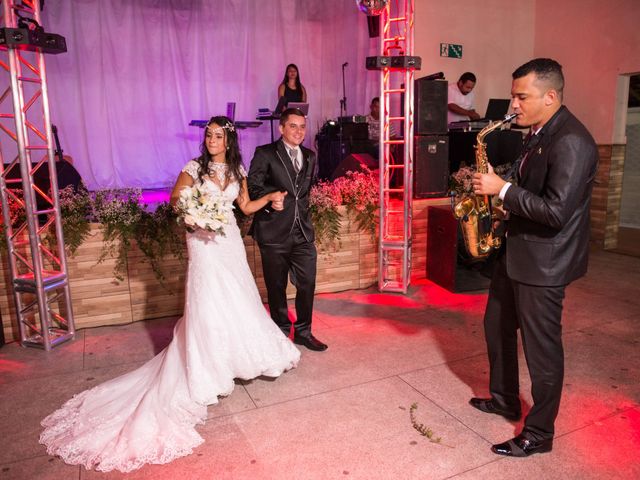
548,226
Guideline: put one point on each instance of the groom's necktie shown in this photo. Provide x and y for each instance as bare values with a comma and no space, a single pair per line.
293,153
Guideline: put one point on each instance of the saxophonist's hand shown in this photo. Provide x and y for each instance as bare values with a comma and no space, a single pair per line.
498,212
487,183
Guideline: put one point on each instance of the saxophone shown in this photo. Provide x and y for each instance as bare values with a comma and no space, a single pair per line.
474,212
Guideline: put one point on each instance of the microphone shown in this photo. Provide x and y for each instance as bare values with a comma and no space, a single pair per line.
345,64
433,76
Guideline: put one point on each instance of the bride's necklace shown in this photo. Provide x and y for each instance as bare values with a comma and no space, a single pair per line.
218,171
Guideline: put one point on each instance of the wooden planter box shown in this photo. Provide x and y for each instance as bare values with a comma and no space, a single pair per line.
99,299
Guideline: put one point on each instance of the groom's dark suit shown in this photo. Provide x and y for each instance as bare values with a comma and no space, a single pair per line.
286,237
547,245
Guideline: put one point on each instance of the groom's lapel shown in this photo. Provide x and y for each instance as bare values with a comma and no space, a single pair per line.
284,159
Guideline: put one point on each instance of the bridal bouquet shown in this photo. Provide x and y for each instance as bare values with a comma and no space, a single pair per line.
198,208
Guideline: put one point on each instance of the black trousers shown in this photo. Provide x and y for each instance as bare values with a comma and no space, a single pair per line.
537,312
299,257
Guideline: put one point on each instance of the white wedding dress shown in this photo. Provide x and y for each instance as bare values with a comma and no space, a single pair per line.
149,415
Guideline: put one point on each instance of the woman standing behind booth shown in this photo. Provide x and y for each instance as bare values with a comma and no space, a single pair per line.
291,88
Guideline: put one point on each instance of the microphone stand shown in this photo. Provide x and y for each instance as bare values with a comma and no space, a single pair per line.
343,112
343,100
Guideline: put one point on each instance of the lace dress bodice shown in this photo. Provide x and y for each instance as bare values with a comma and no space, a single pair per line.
214,183
216,178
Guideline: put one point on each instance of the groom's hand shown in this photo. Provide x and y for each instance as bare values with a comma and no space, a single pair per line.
278,202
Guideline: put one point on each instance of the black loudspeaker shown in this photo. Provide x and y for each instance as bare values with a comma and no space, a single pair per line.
445,265
430,106
357,131
373,23
355,163
430,166
331,151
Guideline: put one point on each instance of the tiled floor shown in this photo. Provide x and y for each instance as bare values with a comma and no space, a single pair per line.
344,413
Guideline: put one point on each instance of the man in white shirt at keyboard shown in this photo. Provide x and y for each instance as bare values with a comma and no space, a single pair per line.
461,99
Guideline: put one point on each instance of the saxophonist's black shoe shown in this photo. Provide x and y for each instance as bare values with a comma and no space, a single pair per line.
521,446
488,405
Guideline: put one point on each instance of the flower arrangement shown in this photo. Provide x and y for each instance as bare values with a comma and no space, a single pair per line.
358,191
16,214
360,194
324,200
157,236
198,208
124,219
119,211
76,209
460,182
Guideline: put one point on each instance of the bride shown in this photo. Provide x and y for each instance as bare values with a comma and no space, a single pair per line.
149,415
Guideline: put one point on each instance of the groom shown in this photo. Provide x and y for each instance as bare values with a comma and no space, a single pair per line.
285,236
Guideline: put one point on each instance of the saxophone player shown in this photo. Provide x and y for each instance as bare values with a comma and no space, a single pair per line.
547,245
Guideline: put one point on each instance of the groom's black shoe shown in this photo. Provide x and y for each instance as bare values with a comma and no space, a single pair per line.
521,446
488,405
309,341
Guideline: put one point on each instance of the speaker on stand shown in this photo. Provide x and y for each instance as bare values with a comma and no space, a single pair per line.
430,106
431,144
431,166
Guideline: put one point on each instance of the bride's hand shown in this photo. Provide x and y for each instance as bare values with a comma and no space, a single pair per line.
277,200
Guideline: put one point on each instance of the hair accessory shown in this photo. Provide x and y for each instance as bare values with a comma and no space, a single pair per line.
228,126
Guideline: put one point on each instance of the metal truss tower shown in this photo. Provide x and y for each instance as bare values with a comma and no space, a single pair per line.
35,241
396,82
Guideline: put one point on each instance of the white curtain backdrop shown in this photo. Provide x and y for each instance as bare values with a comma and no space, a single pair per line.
137,71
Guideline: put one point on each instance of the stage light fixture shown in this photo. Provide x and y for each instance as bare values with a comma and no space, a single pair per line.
372,7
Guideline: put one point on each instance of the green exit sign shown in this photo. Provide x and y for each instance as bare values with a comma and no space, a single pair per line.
450,50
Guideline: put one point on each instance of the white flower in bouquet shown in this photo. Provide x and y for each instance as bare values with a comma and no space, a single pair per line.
198,208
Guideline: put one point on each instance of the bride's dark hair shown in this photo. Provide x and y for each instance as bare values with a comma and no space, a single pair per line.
232,154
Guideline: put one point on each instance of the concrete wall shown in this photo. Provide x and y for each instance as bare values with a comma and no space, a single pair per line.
595,41
495,35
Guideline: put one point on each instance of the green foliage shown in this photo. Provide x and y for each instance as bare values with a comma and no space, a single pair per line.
421,428
119,212
75,211
16,215
326,223
158,235
358,192
124,218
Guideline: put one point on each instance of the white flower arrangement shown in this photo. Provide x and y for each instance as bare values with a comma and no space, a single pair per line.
199,208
